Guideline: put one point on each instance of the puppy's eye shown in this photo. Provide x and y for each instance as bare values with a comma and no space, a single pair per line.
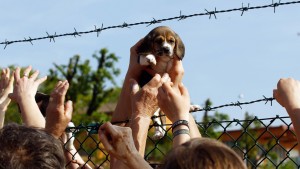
171,41
158,40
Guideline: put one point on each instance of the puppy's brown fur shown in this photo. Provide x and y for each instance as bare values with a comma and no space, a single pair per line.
159,48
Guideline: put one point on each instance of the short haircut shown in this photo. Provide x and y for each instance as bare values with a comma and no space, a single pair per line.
203,153
25,147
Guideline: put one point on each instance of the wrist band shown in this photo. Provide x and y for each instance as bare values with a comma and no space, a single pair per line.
181,131
180,122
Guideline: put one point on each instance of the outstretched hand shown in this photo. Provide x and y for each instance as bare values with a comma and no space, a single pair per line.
25,87
6,87
58,113
24,92
287,94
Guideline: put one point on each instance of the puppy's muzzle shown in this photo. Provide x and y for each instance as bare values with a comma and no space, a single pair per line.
164,51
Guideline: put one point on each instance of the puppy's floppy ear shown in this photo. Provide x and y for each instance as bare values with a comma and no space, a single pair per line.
146,46
179,47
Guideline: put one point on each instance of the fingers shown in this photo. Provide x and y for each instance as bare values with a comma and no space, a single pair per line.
17,74
41,80
69,109
5,77
59,92
176,72
104,140
183,90
109,129
34,75
27,71
155,81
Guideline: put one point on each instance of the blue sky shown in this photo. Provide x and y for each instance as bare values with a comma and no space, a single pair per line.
225,57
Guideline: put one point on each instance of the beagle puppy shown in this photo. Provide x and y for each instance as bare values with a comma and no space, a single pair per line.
160,46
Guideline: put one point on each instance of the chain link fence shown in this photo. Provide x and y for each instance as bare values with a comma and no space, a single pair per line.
261,143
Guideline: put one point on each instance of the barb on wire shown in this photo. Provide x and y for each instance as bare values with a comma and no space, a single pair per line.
125,25
98,30
76,33
212,13
181,17
51,37
243,9
275,4
6,43
154,21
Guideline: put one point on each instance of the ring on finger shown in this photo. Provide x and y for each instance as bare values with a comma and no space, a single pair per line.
25,75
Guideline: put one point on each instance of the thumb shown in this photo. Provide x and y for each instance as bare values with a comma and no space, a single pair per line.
134,87
183,90
69,109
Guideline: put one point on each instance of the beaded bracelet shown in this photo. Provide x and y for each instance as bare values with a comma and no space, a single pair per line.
180,122
181,131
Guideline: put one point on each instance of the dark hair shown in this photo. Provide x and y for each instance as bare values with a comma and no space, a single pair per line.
43,101
25,147
203,153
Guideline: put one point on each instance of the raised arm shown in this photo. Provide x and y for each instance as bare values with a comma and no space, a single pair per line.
118,142
287,95
58,113
24,92
123,109
144,104
175,103
6,87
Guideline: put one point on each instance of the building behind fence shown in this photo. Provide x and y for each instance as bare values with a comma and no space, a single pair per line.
260,142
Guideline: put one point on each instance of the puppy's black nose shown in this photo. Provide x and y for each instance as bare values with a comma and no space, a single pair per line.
166,50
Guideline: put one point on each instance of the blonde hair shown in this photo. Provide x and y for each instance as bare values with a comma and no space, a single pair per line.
203,153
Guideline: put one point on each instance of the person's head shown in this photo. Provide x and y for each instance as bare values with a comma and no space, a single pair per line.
203,153
42,100
25,147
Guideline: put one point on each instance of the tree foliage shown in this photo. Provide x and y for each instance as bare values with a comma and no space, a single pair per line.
211,122
89,88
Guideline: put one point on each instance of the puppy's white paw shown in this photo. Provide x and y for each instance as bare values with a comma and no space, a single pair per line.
158,135
194,107
147,60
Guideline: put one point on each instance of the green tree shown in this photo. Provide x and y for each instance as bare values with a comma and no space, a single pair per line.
89,89
211,123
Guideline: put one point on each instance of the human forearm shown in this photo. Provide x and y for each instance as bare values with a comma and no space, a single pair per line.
194,131
31,114
123,109
295,117
180,138
136,161
139,126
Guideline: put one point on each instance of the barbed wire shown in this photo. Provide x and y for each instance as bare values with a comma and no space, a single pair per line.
239,104
208,108
97,30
